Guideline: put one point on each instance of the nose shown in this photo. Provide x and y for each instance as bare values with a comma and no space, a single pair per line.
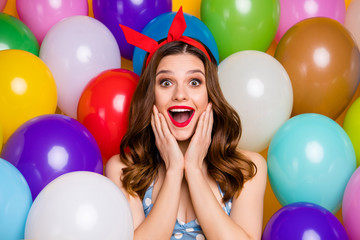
180,93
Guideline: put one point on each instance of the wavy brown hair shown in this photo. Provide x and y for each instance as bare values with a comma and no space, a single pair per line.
225,163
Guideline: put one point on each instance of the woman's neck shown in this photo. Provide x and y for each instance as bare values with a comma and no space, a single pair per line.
183,146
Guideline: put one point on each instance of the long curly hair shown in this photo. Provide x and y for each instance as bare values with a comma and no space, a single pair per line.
225,163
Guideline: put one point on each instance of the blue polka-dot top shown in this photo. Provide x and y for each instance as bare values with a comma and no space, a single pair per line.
184,231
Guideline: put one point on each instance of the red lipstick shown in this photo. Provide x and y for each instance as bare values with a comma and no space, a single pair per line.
178,109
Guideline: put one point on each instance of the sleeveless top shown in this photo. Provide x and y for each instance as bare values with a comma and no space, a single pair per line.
184,231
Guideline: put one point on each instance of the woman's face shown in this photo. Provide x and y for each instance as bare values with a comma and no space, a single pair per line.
180,93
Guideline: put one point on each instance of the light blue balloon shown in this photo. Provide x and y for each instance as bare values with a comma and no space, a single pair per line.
158,29
15,202
310,159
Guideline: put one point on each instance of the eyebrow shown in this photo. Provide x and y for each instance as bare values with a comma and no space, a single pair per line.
188,72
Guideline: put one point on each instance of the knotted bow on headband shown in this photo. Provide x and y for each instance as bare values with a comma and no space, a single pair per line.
150,45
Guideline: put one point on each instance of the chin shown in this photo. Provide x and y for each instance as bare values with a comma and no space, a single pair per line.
183,135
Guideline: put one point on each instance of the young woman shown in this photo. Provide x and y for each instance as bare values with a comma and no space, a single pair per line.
179,164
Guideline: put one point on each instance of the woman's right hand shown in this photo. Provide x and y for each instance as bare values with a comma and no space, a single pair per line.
166,143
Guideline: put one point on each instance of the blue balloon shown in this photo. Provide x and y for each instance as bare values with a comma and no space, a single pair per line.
15,202
310,159
158,29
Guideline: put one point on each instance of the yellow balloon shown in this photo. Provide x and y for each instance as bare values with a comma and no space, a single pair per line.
351,126
189,6
27,89
347,2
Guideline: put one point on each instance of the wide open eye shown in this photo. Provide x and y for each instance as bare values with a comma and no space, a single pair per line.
165,83
195,82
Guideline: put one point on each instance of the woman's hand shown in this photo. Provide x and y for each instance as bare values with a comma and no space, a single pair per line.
201,140
166,143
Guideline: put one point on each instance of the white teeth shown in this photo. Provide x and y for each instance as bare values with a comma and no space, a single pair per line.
179,110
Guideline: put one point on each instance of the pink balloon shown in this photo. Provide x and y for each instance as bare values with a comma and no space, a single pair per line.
294,11
2,4
351,206
41,15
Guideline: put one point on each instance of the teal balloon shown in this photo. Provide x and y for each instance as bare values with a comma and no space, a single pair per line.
310,159
14,34
15,202
239,25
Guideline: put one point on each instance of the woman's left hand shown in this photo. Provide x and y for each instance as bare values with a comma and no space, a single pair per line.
201,140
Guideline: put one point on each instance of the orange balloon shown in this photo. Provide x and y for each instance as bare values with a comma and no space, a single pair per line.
323,64
347,2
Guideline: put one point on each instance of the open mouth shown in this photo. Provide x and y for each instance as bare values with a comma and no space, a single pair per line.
181,115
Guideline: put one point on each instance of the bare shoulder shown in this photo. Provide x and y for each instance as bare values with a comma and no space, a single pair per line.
258,160
113,170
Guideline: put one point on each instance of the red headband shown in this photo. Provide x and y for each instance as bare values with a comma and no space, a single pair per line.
150,45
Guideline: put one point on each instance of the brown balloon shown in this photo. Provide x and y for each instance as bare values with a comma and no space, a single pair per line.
323,63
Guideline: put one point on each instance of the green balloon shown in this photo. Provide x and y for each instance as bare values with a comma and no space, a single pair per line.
239,25
14,34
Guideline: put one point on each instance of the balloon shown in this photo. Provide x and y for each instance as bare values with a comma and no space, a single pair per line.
2,4
191,7
241,25
323,63
103,108
350,206
159,27
304,221
27,89
352,20
77,49
80,205
347,3
1,137
351,126
41,15
310,159
259,89
294,11
134,14
48,146
15,34
15,202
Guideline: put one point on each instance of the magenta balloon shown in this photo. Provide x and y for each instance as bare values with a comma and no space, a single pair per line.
41,15
351,206
2,4
134,14
294,11
48,146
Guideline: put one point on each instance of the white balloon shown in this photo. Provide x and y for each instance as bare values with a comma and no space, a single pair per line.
260,90
77,49
80,206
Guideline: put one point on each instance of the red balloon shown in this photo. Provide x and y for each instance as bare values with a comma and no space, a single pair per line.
103,108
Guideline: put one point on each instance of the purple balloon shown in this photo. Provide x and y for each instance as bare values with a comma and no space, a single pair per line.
301,221
134,14
48,146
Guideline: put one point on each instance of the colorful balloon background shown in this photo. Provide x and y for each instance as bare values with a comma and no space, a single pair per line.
80,205
27,89
76,50
311,159
41,15
15,201
134,14
323,63
304,221
15,34
271,202
241,25
294,11
49,146
103,108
